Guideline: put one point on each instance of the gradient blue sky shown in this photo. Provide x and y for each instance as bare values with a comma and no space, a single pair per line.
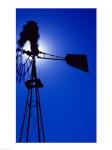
68,98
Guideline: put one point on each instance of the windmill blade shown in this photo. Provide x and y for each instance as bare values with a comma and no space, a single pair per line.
29,33
77,61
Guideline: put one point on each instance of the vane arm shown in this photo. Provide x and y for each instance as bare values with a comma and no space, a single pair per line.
49,56
44,55
40,52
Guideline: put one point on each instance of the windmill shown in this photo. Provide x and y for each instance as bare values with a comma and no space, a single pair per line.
30,33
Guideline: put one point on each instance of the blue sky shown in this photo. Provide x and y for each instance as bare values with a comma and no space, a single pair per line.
68,99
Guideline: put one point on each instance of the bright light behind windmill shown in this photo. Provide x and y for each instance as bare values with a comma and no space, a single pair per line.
43,46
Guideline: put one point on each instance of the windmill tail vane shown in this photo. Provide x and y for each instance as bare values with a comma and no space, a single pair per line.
31,33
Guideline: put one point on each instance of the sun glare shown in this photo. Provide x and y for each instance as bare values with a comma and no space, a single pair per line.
43,47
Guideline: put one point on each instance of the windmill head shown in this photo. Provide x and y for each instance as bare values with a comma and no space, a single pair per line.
30,33
77,61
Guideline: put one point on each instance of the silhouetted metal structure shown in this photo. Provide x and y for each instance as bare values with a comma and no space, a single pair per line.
30,33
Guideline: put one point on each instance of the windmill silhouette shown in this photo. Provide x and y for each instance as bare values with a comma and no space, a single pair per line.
31,33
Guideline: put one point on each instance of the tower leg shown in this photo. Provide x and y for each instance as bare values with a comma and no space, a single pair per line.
41,120
29,116
22,128
38,120
41,138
